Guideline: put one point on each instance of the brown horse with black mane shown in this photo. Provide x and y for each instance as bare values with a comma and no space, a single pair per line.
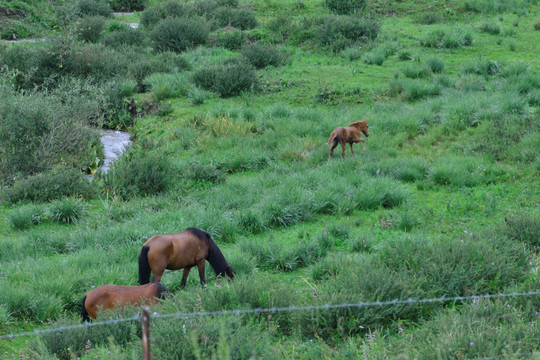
349,134
181,250
111,296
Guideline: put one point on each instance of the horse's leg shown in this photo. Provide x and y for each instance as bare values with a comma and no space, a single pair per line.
202,276
342,149
352,151
363,145
332,149
184,276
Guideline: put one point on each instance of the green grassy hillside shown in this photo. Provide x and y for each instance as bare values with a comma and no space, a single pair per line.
230,105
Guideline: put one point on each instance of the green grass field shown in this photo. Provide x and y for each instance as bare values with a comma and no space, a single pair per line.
445,202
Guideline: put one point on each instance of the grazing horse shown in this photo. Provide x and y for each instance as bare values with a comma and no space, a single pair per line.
181,250
111,296
349,134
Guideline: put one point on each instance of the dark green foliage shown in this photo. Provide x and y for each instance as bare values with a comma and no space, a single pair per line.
524,227
38,131
164,62
262,56
89,28
203,173
238,18
491,28
495,6
228,79
93,8
338,32
429,18
49,186
179,34
345,7
24,217
232,40
123,37
128,5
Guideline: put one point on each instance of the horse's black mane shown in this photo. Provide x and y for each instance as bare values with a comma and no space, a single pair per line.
215,256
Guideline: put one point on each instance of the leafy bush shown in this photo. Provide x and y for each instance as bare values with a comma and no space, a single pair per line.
31,117
228,79
128,5
90,27
49,186
339,32
238,18
232,40
262,56
93,8
345,7
179,34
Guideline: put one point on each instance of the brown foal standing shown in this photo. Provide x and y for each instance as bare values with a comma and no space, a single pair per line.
349,134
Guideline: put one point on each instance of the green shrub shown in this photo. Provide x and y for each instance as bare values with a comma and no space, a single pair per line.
49,186
179,34
534,97
26,216
262,56
232,40
123,37
495,6
345,7
238,18
447,39
428,18
378,55
93,8
128,5
90,27
164,62
67,210
339,32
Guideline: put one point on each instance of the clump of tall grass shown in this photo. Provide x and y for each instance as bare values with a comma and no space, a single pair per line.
24,217
165,86
524,227
67,210
485,68
378,55
232,40
89,28
435,64
414,71
496,6
404,169
339,32
413,89
261,56
491,28
445,39
345,7
228,79
464,171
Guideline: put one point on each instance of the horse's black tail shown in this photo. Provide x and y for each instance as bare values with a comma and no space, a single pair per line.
84,313
144,266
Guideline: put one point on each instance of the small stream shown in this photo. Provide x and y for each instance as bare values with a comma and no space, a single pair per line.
114,143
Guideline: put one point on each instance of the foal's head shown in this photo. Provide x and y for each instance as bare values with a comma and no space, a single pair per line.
361,126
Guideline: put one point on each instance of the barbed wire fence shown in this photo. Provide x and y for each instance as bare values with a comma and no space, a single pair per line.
145,316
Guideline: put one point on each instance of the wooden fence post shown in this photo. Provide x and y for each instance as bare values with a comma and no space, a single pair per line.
146,332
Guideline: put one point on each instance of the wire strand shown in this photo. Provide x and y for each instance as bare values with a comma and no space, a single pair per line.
156,315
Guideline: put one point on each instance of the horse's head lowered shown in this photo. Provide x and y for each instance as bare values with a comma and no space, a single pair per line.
361,126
